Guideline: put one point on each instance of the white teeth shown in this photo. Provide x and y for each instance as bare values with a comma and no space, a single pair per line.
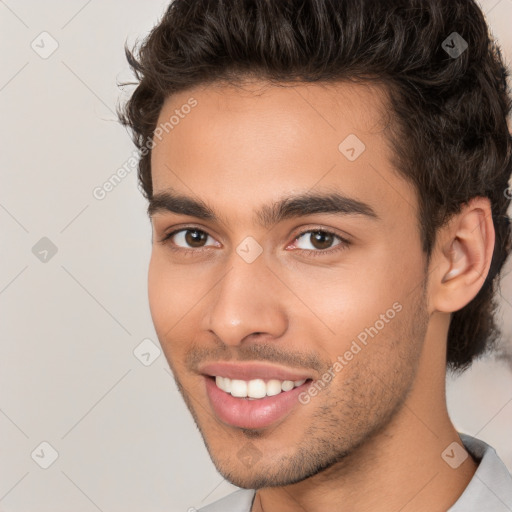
256,388
287,385
239,388
273,387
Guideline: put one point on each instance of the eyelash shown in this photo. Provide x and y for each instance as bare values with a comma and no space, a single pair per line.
344,243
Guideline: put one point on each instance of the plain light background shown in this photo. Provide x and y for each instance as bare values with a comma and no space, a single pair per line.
69,376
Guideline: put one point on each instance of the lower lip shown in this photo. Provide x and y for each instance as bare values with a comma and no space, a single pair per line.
259,413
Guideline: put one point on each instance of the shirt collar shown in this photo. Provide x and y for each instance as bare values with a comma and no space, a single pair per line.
490,488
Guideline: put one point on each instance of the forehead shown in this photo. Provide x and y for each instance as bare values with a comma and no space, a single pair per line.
261,140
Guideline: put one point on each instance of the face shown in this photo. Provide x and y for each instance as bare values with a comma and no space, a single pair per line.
284,251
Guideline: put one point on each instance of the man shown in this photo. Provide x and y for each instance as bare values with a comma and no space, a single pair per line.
327,184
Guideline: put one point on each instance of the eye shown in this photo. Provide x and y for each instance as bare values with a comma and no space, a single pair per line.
319,240
188,238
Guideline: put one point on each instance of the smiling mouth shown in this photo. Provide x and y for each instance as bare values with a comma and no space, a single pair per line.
259,410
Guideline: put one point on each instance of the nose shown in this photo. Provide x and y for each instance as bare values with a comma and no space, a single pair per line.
249,299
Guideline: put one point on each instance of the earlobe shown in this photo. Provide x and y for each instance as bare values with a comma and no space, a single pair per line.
464,263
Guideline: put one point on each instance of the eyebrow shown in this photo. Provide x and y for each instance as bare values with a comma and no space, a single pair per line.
268,215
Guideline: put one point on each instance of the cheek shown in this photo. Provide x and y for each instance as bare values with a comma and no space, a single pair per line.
364,301
346,299
159,287
170,295
167,297
176,296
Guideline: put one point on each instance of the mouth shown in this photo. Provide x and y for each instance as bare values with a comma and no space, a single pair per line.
253,394
253,404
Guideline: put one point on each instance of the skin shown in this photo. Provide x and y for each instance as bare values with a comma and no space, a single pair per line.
373,438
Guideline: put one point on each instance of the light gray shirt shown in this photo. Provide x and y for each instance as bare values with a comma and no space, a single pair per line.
490,489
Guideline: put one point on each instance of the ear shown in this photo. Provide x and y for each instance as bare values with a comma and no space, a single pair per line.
462,257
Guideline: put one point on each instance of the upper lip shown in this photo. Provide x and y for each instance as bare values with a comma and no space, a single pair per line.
250,371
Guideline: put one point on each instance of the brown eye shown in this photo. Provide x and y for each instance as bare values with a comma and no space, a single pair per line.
317,239
195,238
189,238
321,239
